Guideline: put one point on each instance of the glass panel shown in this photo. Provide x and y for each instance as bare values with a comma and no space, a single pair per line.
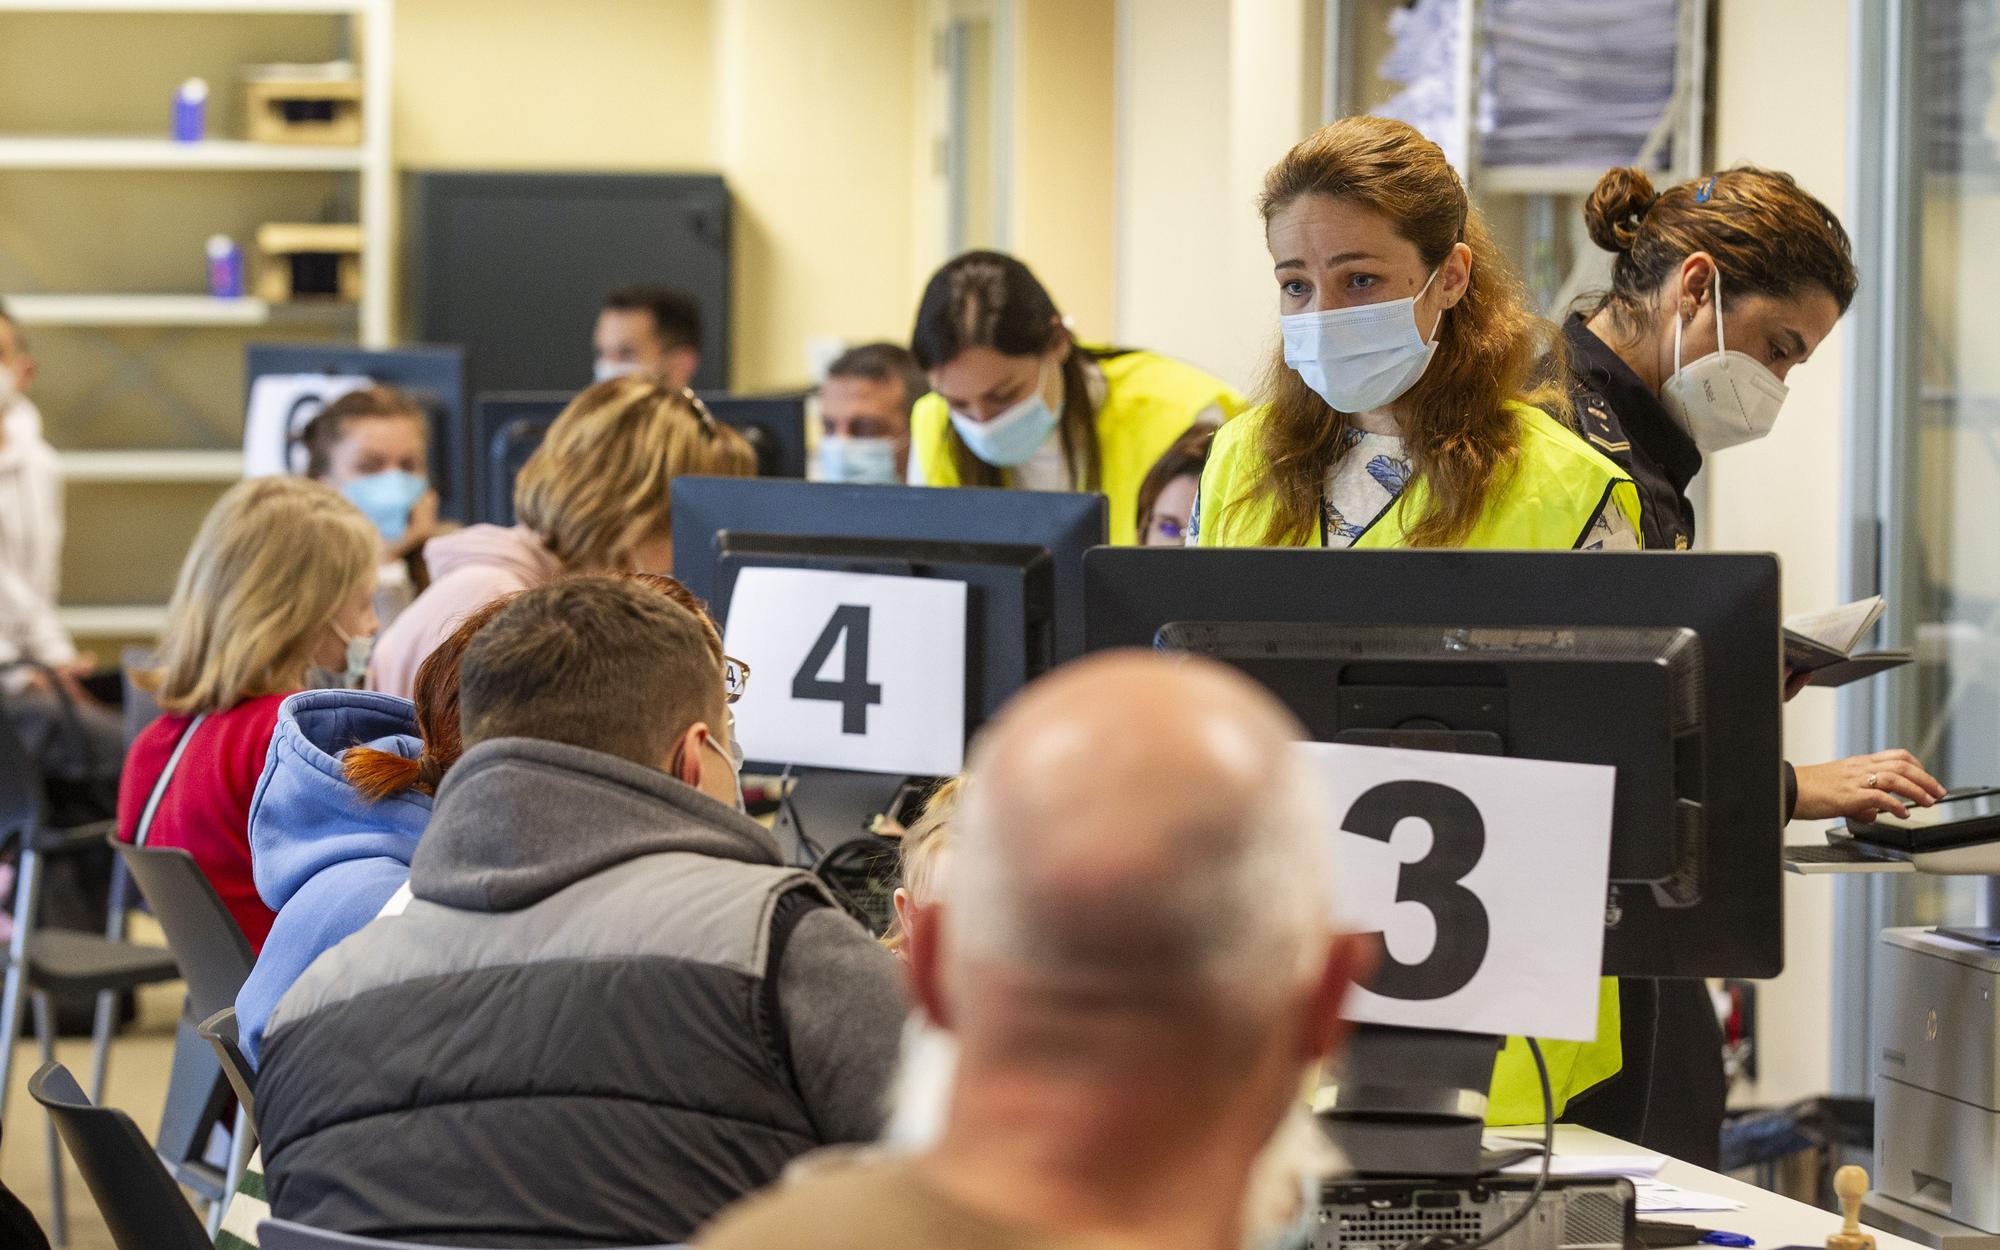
1929,465
1953,484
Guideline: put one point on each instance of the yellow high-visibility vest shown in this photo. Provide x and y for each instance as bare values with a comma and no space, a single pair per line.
1550,500
1555,490
1150,400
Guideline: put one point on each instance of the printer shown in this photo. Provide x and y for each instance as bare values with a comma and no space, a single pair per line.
1937,1068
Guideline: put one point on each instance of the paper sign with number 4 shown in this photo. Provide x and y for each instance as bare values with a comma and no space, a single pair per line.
851,670
1485,877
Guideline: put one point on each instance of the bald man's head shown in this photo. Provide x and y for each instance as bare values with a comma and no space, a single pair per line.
1139,828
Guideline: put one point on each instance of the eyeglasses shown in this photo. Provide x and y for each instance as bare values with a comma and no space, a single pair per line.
735,678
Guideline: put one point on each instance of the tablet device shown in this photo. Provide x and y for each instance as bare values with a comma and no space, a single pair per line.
1961,818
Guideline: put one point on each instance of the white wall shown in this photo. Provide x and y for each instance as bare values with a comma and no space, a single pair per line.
1210,93
1783,494
1172,119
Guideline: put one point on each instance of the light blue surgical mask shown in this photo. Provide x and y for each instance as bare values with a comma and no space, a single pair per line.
386,498
844,459
734,757
1362,358
605,370
1011,436
359,648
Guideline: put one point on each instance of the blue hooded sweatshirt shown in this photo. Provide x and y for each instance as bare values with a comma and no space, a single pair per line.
324,858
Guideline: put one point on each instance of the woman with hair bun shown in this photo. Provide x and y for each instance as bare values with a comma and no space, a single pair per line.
1721,286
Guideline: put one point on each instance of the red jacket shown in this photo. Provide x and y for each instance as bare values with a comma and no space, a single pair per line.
206,808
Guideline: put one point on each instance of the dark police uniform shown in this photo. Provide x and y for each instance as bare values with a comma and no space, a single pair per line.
1669,1096
1622,417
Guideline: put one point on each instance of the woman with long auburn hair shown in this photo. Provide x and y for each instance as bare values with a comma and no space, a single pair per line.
1407,408
1403,407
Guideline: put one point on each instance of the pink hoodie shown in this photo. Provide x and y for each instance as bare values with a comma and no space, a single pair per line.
468,569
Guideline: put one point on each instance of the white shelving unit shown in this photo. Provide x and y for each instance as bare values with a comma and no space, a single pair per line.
291,7
1547,189
369,42
166,310
151,466
116,153
127,620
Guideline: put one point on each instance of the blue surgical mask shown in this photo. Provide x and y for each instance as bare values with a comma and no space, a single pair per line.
843,459
1361,358
386,498
1011,436
605,370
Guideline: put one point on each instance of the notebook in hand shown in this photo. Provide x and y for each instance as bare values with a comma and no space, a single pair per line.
1822,643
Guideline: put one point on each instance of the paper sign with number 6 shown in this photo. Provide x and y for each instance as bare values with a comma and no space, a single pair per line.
851,670
1485,877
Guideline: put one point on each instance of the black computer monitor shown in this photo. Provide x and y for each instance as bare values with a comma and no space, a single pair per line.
434,376
1020,554
717,520
507,426
775,424
1664,665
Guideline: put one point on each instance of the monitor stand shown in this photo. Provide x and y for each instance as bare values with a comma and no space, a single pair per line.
1411,1102
829,806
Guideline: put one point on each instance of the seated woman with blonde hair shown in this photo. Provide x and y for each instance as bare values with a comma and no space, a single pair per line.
280,582
596,497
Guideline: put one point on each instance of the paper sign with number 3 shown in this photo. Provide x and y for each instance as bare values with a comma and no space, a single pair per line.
851,670
1485,877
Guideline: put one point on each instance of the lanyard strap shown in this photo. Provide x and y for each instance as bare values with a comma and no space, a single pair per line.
166,775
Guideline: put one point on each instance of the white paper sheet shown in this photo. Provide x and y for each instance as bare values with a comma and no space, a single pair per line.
906,710
1658,1196
281,406
1537,880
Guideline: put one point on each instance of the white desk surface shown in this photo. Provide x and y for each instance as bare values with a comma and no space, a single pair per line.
1768,1218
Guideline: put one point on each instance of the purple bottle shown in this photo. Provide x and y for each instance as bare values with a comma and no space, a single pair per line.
191,111
225,268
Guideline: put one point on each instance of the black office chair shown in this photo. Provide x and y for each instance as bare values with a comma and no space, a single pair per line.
215,960
219,1031
215,957
140,1203
48,964
285,1235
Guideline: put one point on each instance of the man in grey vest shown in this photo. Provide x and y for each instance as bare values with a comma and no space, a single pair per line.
609,1008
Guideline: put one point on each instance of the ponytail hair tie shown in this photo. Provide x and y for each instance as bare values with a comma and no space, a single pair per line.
1707,191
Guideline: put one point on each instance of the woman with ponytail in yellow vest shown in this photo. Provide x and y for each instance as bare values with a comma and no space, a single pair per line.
1017,402
1401,413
